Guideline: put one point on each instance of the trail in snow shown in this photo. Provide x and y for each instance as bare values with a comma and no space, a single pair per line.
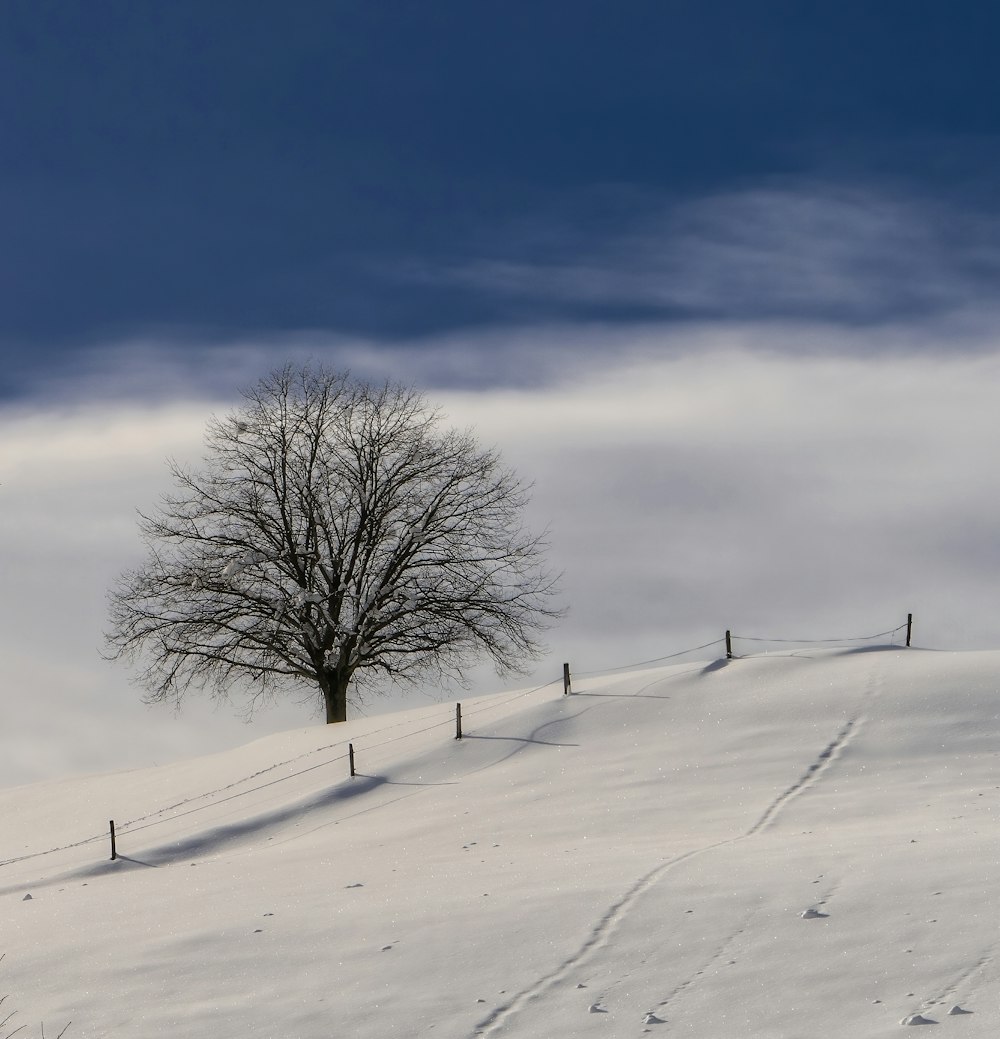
961,987
602,931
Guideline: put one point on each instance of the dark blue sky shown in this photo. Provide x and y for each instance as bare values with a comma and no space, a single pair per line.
205,171
719,279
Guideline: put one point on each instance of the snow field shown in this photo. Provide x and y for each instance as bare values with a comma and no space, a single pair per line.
795,845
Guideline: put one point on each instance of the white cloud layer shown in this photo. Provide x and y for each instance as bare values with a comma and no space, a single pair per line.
806,248
693,481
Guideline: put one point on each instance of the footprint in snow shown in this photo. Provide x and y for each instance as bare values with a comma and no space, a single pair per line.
813,914
596,1008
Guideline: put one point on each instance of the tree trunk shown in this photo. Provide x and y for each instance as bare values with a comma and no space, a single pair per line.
334,685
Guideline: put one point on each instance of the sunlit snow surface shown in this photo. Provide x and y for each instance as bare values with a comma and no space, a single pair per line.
801,845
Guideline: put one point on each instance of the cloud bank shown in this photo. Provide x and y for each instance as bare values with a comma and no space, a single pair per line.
694,478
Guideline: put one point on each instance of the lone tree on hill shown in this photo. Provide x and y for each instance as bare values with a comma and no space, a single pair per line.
335,532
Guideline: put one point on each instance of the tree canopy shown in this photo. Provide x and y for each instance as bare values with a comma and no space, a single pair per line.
336,533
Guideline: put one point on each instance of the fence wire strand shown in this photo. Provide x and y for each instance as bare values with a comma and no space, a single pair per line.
161,815
646,663
817,642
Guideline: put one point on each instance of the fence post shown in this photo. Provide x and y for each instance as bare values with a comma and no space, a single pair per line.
729,646
567,689
114,850
350,755
458,721
909,627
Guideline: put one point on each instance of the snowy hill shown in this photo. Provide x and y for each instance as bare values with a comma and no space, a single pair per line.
794,845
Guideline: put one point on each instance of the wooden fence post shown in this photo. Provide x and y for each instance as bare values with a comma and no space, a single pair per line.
909,627
458,721
729,646
567,689
350,755
114,850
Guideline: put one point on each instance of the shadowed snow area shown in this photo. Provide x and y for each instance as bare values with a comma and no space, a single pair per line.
791,845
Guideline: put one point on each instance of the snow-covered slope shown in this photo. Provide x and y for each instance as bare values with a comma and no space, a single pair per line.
794,845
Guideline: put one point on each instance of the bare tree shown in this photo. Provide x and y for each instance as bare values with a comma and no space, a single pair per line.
336,532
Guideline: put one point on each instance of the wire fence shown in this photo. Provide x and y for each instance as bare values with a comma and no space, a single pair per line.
231,792
891,633
649,663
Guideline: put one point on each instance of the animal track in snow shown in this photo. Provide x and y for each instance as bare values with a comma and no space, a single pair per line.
602,930
828,755
599,935
826,758
950,992
720,951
